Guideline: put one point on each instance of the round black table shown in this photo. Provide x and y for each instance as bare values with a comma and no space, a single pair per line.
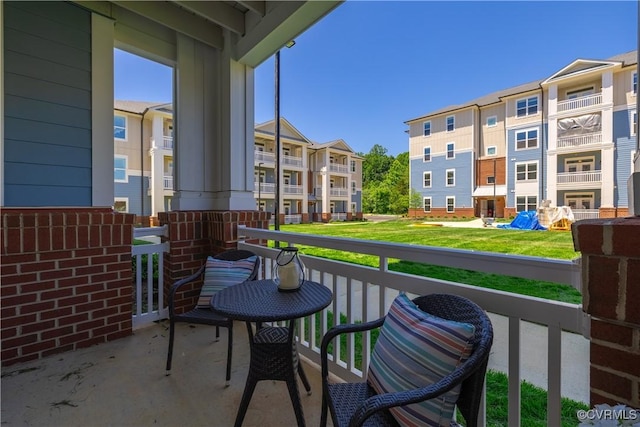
273,349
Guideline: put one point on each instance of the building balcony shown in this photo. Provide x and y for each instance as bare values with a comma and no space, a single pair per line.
292,189
293,219
338,168
339,192
265,187
573,179
264,157
582,102
167,182
167,142
576,141
292,161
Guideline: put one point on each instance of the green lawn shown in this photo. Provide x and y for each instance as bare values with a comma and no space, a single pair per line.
557,244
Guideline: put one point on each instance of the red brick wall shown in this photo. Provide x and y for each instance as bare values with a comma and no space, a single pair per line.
65,280
194,235
611,295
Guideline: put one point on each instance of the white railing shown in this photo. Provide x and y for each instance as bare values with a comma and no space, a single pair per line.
168,182
293,219
365,293
292,161
581,102
579,214
292,189
580,140
338,216
339,192
263,156
265,187
318,193
335,167
149,305
579,177
167,142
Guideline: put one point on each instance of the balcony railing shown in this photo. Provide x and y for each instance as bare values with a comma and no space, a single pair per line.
580,140
579,214
338,216
292,189
365,293
167,182
335,167
293,219
581,102
292,161
167,142
339,192
265,187
263,156
579,177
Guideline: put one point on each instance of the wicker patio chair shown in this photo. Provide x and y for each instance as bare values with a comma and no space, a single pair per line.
358,404
205,316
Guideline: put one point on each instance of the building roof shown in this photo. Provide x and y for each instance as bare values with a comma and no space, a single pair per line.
628,58
138,107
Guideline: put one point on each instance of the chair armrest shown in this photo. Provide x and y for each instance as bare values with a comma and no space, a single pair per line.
180,283
339,330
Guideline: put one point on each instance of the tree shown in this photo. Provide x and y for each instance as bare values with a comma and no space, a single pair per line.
375,165
415,200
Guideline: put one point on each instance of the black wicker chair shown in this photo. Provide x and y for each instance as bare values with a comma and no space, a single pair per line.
204,316
357,404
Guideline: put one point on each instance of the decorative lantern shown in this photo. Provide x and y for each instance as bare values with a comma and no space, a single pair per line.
288,270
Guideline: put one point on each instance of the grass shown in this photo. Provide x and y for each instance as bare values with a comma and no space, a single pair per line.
558,245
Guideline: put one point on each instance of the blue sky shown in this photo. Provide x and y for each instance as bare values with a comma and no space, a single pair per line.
369,66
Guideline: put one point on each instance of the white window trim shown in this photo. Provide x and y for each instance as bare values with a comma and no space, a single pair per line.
591,195
526,131
526,202
430,155
430,204
446,123
354,208
446,151
494,154
633,128
353,166
634,74
446,203
493,125
126,169
526,173
122,199
589,159
354,189
424,174
430,128
446,177
126,127
579,90
527,107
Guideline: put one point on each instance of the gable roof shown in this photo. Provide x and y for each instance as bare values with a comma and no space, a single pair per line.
269,128
338,144
139,107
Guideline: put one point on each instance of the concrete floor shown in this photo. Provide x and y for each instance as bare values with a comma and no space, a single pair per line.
123,383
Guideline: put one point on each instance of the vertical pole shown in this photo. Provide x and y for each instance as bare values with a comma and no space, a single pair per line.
277,136
495,205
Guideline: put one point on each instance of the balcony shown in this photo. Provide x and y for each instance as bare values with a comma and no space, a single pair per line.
265,187
579,214
582,102
293,219
339,192
167,142
292,161
576,141
336,167
263,156
579,178
167,182
292,189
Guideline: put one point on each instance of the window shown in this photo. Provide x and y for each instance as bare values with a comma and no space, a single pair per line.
120,127
491,151
451,123
427,154
426,203
491,180
526,203
527,139
353,187
527,106
426,179
120,169
120,204
451,177
526,171
634,123
427,129
354,208
492,121
451,153
634,82
579,93
451,204
353,166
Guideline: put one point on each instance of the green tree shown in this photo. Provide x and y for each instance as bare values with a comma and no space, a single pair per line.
415,199
397,183
376,164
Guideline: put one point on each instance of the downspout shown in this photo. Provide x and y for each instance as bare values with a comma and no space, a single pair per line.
477,154
142,161
542,144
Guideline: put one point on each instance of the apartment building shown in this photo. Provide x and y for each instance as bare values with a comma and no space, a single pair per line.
319,182
568,139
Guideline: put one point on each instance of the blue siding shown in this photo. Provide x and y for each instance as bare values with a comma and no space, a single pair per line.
529,155
357,199
47,104
625,144
463,189
132,191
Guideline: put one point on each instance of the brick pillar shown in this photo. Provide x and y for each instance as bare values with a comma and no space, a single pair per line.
65,279
194,235
611,295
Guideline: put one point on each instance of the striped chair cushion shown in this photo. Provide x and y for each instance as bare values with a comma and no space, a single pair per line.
219,274
416,349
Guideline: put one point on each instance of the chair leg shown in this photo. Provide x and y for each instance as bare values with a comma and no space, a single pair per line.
217,333
323,414
304,379
170,351
229,350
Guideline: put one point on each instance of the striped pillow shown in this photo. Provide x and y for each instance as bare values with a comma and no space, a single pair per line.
416,349
219,274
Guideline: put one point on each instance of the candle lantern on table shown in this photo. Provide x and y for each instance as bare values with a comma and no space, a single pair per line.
288,270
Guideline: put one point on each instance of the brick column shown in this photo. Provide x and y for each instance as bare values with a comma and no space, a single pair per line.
65,278
194,235
611,295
